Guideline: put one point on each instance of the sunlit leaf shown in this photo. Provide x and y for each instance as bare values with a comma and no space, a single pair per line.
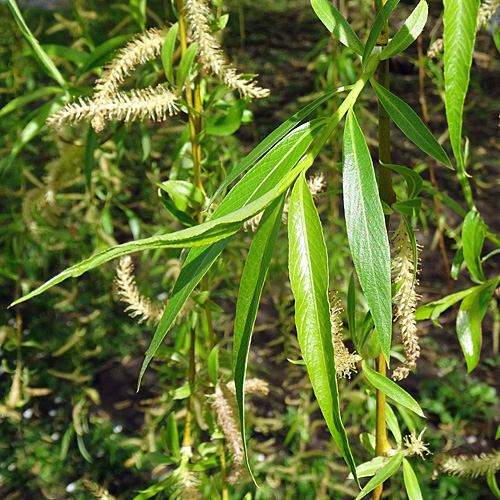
366,230
473,239
308,267
459,19
411,482
385,472
410,124
167,53
408,33
391,389
252,282
336,24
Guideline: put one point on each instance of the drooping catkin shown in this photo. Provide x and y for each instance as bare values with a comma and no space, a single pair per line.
227,424
128,292
211,55
98,491
470,465
345,362
405,300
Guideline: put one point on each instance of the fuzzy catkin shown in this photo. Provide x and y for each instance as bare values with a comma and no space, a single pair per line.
470,465
227,424
405,300
210,53
128,292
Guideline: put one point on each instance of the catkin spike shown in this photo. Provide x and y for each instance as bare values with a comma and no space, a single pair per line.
405,300
153,103
127,289
470,465
211,55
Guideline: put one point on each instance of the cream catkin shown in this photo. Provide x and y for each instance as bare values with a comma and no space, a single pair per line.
470,465
345,362
210,53
128,292
227,424
405,300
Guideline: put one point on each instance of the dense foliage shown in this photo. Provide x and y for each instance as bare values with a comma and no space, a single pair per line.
266,248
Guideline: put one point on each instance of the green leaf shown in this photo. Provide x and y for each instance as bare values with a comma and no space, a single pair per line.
469,329
185,64
496,36
377,28
32,129
138,11
457,263
172,437
273,172
351,307
408,33
21,101
391,389
167,53
337,24
308,267
413,179
408,207
371,467
213,365
491,479
411,482
183,193
410,124
393,424
90,146
497,435
366,230
473,239
444,198
76,56
226,124
177,214
435,309
46,62
102,53
252,282
385,472
273,138
460,17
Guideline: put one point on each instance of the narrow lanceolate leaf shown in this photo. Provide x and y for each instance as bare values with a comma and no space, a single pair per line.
460,18
269,178
410,124
435,309
411,482
366,230
167,53
46,62
377,28
273,138
408,33
385,472
308,267
469,329
412,178
392,390
336,24
473,239
272,170
252,282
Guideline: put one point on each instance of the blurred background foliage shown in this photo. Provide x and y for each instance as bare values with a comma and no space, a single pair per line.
72,425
